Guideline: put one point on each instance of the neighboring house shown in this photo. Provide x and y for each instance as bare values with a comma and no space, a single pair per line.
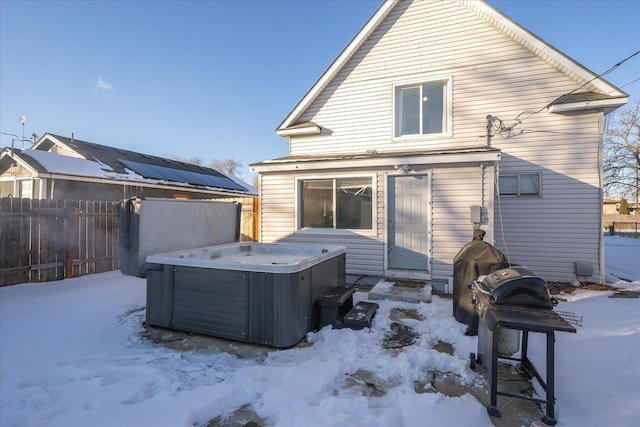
610,206
438,117
57,167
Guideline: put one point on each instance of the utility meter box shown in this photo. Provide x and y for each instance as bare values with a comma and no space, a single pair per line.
476,214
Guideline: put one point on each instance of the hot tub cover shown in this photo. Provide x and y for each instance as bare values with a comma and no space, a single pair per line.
154,225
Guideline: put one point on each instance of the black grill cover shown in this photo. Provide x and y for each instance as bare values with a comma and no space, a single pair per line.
477,258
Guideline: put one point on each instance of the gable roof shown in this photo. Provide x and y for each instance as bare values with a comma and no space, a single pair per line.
609,96
86,159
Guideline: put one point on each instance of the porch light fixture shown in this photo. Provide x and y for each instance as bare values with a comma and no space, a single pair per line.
402,168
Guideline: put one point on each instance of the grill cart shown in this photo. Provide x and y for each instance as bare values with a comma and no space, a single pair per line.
511,303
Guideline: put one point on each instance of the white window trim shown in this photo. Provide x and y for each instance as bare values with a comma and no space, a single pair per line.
447,114
518,177
333,231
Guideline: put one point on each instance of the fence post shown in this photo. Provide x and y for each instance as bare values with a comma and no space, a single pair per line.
68,251
256,219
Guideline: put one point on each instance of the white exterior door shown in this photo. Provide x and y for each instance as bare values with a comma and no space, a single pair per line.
26,189
408,223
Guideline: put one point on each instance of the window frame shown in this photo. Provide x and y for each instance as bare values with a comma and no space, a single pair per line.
446,113
300,180
518,177
20,188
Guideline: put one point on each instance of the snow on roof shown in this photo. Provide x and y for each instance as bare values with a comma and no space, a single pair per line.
56,163
72,166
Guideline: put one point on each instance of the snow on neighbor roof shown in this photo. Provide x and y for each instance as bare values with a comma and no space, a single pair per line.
99,161
56,163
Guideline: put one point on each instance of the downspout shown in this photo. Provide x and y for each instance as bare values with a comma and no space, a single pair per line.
601,129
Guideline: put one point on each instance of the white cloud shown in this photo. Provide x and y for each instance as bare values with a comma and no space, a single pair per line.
103,86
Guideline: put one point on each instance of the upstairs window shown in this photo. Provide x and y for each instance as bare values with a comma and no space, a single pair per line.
340,203
522,184
421,109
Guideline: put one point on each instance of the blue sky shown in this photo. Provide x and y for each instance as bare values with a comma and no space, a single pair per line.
213,79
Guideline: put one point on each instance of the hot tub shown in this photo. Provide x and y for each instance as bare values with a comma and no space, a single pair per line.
263,293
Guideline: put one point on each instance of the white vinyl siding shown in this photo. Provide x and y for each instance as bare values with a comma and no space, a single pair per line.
277,207
454,190
486,67
549,233
490,74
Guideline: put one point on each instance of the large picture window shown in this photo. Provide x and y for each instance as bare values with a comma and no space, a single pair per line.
421,109
338,203
523,184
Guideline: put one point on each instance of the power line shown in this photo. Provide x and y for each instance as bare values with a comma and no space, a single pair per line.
517,119
627,84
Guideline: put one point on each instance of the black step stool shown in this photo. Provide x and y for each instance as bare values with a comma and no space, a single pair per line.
337,309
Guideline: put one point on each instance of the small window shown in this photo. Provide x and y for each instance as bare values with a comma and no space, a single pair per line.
421,109
523,184
340,203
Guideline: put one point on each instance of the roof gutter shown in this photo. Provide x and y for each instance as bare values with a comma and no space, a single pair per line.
604,104
288,165
311,129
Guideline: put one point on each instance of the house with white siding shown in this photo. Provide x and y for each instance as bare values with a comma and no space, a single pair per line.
438,118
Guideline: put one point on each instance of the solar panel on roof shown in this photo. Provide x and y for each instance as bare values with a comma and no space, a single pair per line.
177,175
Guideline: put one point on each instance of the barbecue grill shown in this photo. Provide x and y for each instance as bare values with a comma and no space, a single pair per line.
511,303
513,286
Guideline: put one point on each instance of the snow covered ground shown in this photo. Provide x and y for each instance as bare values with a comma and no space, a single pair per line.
73,353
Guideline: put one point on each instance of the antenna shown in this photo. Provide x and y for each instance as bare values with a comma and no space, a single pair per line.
23,120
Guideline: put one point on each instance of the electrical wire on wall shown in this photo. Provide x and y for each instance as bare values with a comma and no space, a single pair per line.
497,186
496,125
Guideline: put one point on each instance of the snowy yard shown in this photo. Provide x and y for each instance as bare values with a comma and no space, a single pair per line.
74,353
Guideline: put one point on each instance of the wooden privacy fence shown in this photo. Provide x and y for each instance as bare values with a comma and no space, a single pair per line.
43,240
